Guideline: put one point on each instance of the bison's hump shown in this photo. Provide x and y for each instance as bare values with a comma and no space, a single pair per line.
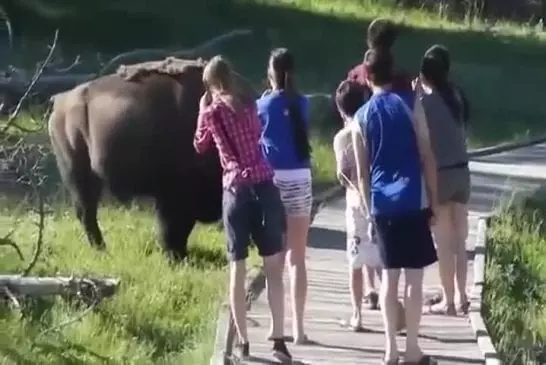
169,66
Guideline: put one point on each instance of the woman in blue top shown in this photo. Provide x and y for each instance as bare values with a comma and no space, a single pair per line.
285,143
396,172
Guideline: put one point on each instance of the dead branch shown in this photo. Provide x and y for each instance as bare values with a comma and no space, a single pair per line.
6,241
155,53
48,286
13,116
96,295
13,299
4,16
60,80
56,66
40,224
75,63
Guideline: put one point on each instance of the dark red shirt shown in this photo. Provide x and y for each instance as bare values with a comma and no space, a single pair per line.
401,80
229,130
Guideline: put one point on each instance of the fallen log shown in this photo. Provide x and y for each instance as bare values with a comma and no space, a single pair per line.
49,85
46,82
43,286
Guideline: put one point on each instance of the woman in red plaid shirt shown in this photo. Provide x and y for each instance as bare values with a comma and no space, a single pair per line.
252,206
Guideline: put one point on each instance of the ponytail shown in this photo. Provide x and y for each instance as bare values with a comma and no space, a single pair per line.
282,65
435,69
297,119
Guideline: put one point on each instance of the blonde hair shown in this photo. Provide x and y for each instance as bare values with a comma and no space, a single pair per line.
218,74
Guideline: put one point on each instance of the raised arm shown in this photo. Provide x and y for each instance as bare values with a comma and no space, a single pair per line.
362,166
202,140
428,161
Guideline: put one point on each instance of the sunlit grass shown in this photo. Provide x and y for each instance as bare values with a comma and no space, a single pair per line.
515,282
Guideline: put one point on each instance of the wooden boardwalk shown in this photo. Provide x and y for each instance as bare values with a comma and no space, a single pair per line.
450,340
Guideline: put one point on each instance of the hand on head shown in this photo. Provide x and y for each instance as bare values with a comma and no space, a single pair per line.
205,101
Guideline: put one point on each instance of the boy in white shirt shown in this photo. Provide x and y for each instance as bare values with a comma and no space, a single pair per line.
361,250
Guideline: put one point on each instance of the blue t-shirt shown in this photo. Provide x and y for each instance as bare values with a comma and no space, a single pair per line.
396,179
408,96
277,141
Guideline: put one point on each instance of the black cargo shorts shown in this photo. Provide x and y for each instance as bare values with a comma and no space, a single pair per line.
253,213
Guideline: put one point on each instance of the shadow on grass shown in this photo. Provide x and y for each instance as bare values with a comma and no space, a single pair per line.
163,339
64,353
503,75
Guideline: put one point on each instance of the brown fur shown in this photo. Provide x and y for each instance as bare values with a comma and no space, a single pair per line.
132,133
169,66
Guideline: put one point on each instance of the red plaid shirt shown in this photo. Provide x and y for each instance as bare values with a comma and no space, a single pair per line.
246,165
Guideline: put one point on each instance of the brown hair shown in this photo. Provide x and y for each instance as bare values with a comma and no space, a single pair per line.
350,96
379,66
382,33
218,74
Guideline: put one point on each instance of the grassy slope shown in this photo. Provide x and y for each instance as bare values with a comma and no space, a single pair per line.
162,314
502,72
515,284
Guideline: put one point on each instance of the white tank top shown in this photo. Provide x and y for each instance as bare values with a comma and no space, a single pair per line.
343,148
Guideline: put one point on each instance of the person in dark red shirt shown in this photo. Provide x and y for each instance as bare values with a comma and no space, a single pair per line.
252,206
381,34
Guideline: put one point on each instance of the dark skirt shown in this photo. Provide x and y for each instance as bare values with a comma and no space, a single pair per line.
405,241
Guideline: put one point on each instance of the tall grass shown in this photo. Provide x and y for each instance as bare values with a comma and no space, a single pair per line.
515,285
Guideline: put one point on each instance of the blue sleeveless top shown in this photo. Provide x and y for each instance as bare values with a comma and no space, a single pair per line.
396,180
278,145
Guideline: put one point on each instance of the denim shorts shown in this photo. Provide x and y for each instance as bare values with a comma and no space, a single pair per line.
254,213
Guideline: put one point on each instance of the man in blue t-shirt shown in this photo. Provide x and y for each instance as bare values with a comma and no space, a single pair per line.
396,173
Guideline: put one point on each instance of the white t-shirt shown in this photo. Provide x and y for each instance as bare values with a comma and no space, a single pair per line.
346,164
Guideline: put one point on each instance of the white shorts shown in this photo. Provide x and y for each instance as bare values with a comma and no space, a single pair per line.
360,250
296,191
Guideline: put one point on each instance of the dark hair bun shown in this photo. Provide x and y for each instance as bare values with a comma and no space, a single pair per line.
440,54
382,33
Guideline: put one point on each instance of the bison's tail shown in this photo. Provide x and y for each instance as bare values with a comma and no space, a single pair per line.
67,125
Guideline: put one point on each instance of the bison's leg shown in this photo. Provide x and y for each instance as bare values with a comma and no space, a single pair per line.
82,184
86,197
175,223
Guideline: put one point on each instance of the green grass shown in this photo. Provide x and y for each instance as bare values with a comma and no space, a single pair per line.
166,315
502,70
515,282
161,314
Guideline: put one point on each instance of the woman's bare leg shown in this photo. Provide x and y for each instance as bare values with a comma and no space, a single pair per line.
460,215
274,267
237,300
370,279
388,298
297,233
444,236
413,303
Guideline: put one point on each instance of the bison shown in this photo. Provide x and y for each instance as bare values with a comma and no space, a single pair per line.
131,133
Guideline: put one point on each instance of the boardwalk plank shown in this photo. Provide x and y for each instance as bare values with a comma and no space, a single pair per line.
449,339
